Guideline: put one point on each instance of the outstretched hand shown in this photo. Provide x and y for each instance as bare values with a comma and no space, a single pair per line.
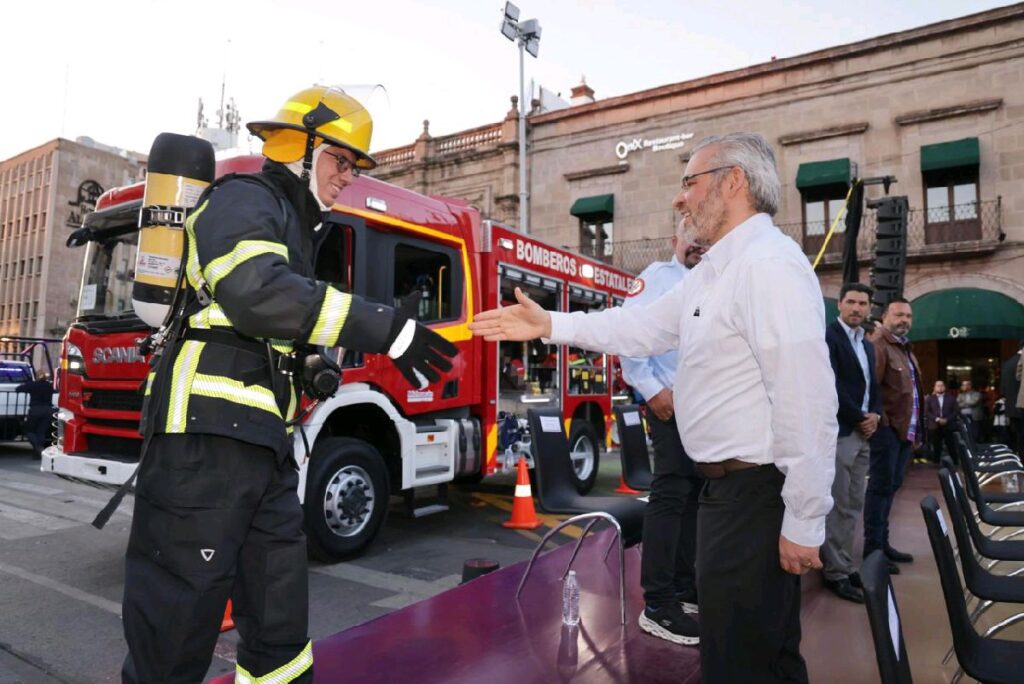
519,322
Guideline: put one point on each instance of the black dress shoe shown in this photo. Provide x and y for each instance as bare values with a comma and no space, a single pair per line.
855,580
898,556
893,568
844,590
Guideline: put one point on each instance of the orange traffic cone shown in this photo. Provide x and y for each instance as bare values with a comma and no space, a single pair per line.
524,517
227,623
624,488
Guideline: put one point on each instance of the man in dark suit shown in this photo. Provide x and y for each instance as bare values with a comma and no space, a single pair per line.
940,417
853,362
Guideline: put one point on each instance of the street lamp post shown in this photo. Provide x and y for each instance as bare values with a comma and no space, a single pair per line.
527,34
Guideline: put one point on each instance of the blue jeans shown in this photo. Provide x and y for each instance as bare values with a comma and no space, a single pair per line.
889,456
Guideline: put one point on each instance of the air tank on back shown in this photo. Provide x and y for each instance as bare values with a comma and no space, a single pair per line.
180,167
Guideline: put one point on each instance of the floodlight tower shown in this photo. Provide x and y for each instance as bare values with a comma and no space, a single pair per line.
527,34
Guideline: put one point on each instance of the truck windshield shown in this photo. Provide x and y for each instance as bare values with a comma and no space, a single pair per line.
109,273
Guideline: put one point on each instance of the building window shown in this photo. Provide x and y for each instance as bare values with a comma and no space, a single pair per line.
596,239
950,175
39,265
823,187
595,214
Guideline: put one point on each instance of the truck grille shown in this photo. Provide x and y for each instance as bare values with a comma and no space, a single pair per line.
118,448
114,400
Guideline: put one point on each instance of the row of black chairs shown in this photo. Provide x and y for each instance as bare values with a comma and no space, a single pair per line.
982,656
556,482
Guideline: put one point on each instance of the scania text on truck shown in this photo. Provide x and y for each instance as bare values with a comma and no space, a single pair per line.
375,437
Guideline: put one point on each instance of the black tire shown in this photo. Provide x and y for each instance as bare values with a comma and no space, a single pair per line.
344,472
583,439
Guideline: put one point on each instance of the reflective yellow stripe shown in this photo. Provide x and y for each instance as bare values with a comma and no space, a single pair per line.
149,382
282,675
184,371
192,270
220,387
300,107
333,312
293,404
211,317
222,266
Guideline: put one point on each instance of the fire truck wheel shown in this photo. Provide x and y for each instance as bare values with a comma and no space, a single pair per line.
586,454
347,494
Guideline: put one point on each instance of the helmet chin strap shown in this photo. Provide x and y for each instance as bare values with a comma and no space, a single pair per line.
307,160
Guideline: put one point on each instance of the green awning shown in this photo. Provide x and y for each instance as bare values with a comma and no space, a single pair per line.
831,310
950,155
830,172
966,313
594,208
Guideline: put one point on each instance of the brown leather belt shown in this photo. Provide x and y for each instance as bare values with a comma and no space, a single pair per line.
715,471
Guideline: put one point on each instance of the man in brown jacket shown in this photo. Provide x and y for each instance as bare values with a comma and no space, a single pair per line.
899,430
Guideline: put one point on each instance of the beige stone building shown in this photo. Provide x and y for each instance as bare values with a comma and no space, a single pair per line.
940,108
44,194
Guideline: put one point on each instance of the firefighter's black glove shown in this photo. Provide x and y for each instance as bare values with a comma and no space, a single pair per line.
418,352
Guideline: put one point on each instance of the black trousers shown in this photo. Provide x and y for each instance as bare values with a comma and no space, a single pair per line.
214,518
888,466
669,548
750,606
939,437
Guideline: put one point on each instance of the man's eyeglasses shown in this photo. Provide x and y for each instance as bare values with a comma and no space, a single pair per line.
344,164
688,180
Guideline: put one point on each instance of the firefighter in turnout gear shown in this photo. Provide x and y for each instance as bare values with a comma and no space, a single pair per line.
217,514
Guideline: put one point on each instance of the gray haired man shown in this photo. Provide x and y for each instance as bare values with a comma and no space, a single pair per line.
759,414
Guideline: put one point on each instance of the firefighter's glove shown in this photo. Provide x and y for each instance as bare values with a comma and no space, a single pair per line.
420,353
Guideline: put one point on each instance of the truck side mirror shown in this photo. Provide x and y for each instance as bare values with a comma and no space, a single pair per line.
80,237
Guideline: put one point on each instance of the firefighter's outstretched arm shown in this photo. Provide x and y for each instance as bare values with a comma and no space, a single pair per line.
244,265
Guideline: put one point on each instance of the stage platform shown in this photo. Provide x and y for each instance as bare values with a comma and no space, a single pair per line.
479,632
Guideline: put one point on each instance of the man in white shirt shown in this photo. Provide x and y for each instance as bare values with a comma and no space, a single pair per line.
758,416
667,570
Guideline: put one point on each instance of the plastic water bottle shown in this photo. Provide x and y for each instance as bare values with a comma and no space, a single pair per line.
571,600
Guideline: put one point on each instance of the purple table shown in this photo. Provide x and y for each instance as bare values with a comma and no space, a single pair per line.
478,632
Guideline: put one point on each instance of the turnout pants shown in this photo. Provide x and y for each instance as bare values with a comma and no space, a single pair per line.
750,606
670,520
215,518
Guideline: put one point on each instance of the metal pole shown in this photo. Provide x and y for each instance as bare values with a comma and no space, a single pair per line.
524,209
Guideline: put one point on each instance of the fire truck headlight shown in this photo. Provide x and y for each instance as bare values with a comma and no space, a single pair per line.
63,416
73,361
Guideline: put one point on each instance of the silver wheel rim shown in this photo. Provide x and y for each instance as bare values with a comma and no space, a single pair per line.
348,501
583,457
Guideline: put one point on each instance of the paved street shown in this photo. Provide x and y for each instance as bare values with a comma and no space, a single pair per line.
61,580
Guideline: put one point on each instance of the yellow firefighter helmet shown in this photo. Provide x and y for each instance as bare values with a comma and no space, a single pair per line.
326,113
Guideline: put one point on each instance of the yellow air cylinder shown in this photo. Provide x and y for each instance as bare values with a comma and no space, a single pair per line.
180,167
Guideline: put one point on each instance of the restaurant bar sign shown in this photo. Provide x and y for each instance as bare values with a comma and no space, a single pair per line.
88,192
662,144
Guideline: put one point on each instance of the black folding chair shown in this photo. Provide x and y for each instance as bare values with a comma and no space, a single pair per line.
890,647
636,461
996,549
986,586
994,661
982,500
556,488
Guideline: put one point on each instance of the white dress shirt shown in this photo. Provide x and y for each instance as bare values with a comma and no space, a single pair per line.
749,324
651,375
856,337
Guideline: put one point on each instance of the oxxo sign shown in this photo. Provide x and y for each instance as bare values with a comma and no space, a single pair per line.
959,331
662,144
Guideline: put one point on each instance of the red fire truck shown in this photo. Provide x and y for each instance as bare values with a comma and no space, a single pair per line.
377,436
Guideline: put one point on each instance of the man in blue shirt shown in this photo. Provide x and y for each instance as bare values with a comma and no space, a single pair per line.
670,520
